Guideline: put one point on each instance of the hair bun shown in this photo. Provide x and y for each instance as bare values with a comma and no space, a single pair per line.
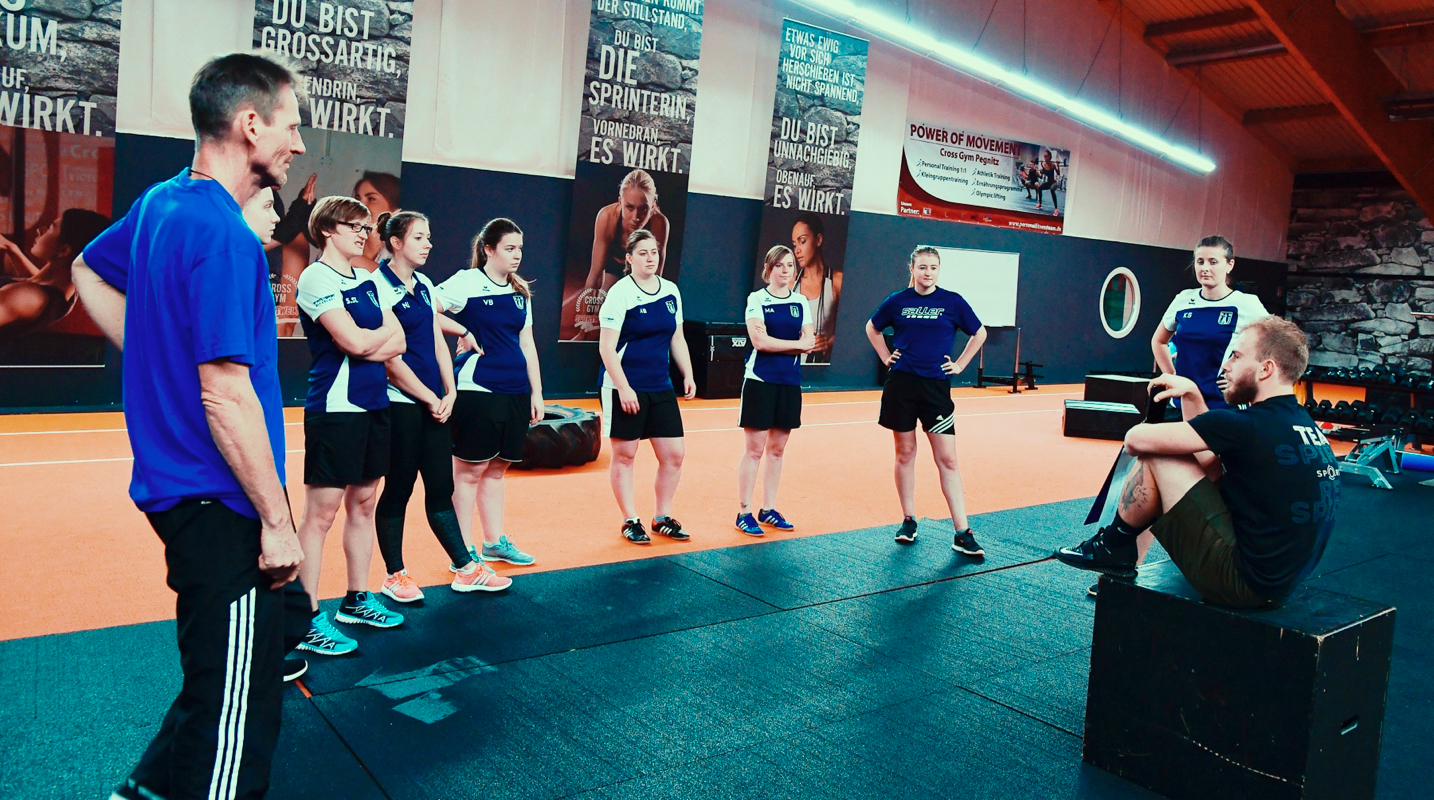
382,224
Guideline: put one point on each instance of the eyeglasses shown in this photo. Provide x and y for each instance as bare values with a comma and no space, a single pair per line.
358,228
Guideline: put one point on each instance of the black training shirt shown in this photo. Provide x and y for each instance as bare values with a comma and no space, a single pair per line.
1282,487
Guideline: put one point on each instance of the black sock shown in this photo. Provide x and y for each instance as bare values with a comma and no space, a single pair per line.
351,598
1120,533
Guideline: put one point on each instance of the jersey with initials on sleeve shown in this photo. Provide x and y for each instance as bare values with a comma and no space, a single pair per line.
924,328
783,318
414,311
1281,484
1204,330
646,322
337,380
497,316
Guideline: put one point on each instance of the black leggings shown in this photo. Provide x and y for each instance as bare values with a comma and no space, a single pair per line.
420,445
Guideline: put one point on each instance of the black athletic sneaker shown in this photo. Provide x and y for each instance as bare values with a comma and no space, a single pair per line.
1096,555
633,531
671,528
1093,590
294,668
965,544
906,534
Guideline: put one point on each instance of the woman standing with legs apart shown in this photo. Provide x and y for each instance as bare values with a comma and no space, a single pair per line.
641,323
924,318
421,394
780,325
500,392
351,330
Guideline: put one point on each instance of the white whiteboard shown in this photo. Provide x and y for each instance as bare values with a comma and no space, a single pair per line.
986,278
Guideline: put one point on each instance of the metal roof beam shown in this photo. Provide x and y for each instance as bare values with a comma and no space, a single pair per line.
1204,22
1266,48
1402,34
1339,61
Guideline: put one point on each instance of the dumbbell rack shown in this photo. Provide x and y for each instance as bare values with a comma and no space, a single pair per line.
1376,441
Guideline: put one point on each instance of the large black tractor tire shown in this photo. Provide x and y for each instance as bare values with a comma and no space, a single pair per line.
567,437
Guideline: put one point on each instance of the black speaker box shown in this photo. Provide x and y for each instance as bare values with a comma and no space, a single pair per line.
1196,701
1087,419
719,351
1118,389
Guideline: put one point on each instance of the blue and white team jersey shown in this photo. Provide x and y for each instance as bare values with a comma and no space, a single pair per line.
783,318
924,328
415,313
645,322
1204,331
339,382
496,315
196,287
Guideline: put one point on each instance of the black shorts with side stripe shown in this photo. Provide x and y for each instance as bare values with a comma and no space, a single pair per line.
657,417
770,406
488,425
907,398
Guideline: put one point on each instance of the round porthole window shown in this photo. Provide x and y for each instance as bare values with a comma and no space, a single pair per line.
1119,302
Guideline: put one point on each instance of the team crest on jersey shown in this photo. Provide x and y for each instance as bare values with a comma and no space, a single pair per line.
1226,317
671,307
372,297
795,312
518,301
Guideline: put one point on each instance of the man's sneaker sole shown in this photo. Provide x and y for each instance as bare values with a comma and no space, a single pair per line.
1093,590
758,532
294,671
1114,572
340,616
308,648
395,598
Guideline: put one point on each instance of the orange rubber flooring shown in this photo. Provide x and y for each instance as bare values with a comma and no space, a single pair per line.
90,560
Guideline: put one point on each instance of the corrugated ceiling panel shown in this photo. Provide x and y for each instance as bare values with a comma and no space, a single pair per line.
1412,65
1319,139
1263,83
1161,10
1230,36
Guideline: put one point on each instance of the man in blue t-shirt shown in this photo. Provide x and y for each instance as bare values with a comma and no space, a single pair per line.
1243,500
181,285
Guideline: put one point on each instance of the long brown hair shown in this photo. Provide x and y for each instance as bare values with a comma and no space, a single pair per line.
490,236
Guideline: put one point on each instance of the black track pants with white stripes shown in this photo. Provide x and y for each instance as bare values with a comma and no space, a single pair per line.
217,741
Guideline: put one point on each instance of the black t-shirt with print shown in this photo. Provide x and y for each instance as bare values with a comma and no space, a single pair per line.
1282,487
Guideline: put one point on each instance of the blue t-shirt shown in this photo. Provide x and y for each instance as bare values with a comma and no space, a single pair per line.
924,328
414,311
497,316
196,287
645,322
339,382
783,318
1204,330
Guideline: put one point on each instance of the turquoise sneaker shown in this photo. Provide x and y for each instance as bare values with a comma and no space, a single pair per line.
325,639
747,524
505,550
772,519
368,611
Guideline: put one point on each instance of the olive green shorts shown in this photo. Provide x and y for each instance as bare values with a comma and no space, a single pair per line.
1200,538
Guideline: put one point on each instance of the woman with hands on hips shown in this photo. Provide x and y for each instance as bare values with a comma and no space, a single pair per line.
641,321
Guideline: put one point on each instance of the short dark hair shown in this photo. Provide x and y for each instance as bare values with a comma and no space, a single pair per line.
80,226
227,84
1282,342
329,212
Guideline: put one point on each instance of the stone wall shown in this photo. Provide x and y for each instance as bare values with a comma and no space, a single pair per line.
1362,261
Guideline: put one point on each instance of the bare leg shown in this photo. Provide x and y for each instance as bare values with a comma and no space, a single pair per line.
619,472
490,499
465,495
756,443
943,449
359,532
906,471
670,452
321,504
772,476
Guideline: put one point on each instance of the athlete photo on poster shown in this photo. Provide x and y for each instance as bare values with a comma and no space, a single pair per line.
56,191
610,203
818,242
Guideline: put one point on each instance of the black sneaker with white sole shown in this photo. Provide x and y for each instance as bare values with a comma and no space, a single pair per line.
965,544
1096,554
906,534
294,668
633,531
671,528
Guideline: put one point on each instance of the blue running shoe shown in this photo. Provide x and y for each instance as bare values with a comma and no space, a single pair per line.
325,639
747,524
368,611
772,519
505,550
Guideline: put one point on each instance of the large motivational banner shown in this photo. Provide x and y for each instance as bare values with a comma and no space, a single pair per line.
816,119
59,75
957,174
352,56
634,147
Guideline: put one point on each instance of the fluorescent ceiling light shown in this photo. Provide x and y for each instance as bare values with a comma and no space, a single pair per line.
923,43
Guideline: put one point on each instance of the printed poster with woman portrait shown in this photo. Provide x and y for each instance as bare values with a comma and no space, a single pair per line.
816,120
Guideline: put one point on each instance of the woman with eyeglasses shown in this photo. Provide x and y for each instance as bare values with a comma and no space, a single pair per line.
352,331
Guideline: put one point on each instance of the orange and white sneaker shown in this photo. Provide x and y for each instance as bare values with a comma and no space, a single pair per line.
401,588
479,578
